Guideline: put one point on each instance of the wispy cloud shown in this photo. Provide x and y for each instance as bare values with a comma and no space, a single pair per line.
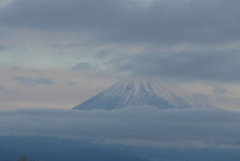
32,82
82,66
220,90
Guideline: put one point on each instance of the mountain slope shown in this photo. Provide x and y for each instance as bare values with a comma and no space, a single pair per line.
142,91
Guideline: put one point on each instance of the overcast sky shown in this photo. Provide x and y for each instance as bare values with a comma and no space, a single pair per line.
58,53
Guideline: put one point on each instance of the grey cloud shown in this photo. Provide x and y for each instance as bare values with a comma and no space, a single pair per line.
220,90
32,82
82,66
69,82
2,88
200,96
105,53
3,47
142,124
161,22
187,65
15,68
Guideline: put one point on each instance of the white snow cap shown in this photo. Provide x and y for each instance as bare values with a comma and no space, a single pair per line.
143,91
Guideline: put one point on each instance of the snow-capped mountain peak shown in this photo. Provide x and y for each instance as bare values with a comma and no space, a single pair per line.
143,91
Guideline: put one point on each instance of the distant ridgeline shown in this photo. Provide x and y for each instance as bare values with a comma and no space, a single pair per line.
143,91
14,148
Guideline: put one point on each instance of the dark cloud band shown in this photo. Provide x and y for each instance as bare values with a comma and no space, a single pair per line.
211,126
190,65
161,22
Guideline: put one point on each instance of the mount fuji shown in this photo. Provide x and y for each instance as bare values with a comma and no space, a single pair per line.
143,91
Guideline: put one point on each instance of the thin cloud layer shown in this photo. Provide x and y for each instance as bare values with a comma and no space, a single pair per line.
135,125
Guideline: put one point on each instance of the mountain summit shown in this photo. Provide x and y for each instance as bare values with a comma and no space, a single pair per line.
143,91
